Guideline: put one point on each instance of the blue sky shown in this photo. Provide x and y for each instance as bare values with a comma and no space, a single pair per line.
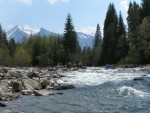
51,14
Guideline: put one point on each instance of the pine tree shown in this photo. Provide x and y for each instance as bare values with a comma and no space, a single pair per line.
4,51
145,8
1,36
98,37
97,46
35,50
144,30
86,57
12,46
122,44
69,40
110,38
134,21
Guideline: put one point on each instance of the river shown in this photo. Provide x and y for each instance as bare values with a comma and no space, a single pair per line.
98,90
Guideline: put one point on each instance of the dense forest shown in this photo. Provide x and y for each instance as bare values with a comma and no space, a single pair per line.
120,43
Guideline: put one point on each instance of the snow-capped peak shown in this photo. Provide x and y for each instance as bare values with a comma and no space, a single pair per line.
83,35
18,32
25,29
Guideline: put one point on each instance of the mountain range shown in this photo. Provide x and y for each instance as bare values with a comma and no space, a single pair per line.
18,32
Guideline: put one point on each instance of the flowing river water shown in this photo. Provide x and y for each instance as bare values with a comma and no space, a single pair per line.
98,90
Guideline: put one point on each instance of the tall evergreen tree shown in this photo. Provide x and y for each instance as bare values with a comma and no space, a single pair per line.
145,8
144,30
3,39
98,37
1,36
87,56
97,46
134,20
110,36
70,39
12,46
35,50
122,44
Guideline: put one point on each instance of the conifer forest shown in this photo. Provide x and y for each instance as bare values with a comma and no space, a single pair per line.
120,44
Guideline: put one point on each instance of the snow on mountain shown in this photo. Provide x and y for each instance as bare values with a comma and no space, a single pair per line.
18,32
44,32
85,40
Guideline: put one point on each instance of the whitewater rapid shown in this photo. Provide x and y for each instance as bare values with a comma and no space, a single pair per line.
98,90
93,76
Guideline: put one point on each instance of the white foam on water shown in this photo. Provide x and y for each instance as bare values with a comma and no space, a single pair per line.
85,78
129,91
97,76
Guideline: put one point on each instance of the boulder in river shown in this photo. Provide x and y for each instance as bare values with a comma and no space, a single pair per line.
43,93
32,75
9,111
16,85
27,92
32,83
2,105
44,83
63,87
15,74
5,69
138,79
2,75
1,91
1,70
13,96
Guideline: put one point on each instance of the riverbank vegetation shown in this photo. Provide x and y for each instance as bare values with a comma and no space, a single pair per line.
120,44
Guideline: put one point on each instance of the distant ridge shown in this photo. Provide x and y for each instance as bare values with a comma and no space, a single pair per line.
18,32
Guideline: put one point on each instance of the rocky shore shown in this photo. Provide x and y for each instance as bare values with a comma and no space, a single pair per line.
16,82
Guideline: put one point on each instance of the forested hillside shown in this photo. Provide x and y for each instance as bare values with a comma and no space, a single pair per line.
120,43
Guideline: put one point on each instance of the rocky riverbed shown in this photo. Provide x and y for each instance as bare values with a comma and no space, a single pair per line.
16,82
97,90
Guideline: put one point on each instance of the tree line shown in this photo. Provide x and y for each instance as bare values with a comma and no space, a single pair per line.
120,43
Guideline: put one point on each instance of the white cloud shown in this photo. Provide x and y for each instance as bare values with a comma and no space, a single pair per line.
124,5
65,1
88,30
27,2
52,2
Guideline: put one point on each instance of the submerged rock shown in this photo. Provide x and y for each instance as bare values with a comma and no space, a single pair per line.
8,111
27,92
63,87
59,93
2,105
138,79
43,93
